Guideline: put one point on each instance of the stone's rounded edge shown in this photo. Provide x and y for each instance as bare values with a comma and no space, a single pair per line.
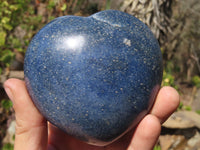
136,121
109,16
153,96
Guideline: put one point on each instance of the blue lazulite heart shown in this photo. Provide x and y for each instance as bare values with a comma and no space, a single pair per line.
94,77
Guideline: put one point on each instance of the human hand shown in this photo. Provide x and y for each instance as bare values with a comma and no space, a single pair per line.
33,132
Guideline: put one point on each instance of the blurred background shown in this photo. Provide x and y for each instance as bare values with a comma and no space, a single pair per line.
175,23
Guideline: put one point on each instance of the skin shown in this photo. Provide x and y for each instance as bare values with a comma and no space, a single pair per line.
33,132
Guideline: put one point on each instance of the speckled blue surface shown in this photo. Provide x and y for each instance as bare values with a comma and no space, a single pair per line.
94,77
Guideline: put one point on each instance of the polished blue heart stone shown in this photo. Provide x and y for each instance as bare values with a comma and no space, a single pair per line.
94,77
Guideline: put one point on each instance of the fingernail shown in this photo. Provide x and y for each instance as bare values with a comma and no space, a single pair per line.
9,93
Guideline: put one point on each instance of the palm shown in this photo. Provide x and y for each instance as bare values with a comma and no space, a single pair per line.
62,141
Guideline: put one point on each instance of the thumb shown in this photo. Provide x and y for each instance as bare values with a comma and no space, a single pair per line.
31,127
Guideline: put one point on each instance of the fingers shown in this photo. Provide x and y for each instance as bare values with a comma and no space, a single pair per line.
148,130
31,127
146,134
166,103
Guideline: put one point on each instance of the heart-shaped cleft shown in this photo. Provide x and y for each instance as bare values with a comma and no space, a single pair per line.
94,77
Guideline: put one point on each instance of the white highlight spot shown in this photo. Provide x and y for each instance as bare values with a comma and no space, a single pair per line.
127,42
73,43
